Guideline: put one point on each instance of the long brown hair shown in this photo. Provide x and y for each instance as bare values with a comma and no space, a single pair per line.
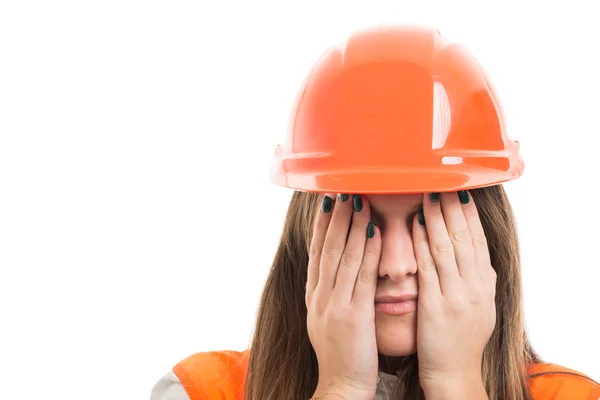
283,364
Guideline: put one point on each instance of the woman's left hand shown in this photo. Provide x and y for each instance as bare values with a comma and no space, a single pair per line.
456,306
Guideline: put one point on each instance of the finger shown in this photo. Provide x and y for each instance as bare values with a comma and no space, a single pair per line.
440,245
365,283
478,238
321,224
429,282
352,256
459,233
334,245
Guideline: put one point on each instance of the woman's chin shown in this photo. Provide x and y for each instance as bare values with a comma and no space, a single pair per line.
395,338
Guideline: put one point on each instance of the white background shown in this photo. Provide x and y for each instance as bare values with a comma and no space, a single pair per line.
137,220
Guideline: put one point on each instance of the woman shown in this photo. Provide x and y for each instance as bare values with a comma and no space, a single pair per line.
398,273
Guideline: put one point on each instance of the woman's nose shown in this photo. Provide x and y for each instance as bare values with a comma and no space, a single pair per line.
397,253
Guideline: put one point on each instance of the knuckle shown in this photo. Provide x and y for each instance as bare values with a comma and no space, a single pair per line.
314,296
371,253
365,275
435,213
350,258
451,199
479,241
359,222
315,251
332,249
426,264
470,211
315,306
457,304
355,321
422,242
321,222
461,235
476,296
340,210
338,314
443,248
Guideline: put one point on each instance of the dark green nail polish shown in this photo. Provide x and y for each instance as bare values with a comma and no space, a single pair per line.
370,230
463,196
421,218
327,204
357,201
343,197
434,197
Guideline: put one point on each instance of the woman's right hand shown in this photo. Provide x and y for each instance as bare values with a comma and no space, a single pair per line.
340,296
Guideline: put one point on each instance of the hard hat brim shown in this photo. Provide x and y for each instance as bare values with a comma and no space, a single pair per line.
454,178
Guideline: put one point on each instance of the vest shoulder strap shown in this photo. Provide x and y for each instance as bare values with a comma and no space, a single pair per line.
552,381
214,374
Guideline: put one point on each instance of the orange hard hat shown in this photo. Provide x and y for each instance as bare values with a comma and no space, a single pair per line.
396,110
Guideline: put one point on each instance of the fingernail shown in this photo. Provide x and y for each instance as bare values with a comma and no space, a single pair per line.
326,205
463,196
357,201
370,230
421,218
343,197
434,197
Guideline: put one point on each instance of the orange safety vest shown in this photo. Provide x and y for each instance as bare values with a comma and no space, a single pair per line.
222,375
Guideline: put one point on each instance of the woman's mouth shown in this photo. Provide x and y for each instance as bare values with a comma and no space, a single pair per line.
396,305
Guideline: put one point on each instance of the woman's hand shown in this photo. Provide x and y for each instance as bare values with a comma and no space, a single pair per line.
456,309
340,296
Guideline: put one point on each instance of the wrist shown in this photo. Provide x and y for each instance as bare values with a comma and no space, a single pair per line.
326,396
467,388
337,392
